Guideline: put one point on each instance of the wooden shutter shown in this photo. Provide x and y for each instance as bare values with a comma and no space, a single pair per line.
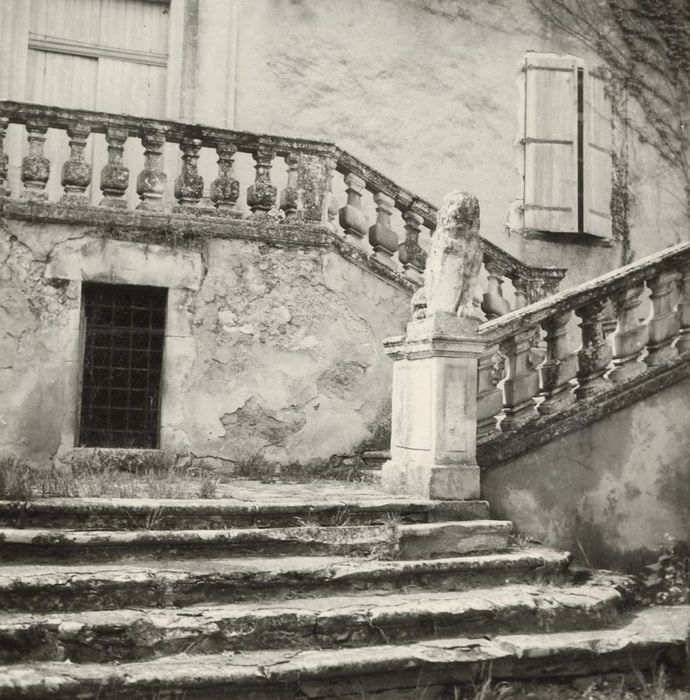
597,149
550,142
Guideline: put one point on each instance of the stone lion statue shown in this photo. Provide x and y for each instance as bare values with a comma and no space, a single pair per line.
453,263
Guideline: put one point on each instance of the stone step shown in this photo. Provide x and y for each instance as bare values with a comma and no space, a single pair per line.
429,669
161,583
327,622
425,540
214,514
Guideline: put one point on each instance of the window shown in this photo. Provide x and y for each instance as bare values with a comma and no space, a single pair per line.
123,354
567,137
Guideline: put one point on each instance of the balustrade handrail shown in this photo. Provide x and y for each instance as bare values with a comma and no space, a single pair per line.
248,142
605,285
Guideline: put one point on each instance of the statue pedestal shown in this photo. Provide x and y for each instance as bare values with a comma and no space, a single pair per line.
434,422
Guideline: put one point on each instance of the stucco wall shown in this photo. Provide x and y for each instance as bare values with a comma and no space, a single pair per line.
267,347
608,492
427,92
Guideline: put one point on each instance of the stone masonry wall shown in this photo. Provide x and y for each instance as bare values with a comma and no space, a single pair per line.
267,348
608,492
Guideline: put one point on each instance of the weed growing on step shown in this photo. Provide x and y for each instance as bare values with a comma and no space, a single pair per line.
667,581
17,478
389,548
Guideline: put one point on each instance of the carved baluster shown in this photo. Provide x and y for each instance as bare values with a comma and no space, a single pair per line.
663,322
291,197
493,302
152,180
114,175
410,253
4,158
683,344
76,172
352,218
630,336
383,239
225,189
490,371
520,286
522,381
595,354
189,185
35,166
261,196
329,202
559,367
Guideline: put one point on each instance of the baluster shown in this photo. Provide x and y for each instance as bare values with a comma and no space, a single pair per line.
683,344
291,197
490,371
4,158
35,166
663,322
352,218
76,172
630,336
329,202
225,189
114,175
522,381
382,238
493,302
595,354
559,367
410,253
261,196
152,180
189,185
520,286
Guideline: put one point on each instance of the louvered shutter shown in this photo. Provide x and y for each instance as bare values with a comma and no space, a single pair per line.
550,143
597,150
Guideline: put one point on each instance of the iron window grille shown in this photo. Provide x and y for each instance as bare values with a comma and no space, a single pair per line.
123,357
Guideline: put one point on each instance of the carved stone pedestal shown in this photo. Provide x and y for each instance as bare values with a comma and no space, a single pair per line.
434,424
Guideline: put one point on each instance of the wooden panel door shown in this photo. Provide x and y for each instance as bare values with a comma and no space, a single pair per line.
108,55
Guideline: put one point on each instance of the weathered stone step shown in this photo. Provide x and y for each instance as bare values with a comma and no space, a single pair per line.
426,540
424,669
161,583
211,514
328,622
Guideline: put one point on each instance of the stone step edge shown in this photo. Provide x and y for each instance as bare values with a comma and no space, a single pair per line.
165,583
56,537
649,636
347,621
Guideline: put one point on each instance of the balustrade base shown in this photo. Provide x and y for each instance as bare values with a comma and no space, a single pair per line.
556,401
661,355
626,370
74,200
437,482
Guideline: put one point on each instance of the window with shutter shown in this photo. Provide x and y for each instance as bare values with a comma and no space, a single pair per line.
567,147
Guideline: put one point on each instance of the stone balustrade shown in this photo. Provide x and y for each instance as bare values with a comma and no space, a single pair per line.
385,221
530,369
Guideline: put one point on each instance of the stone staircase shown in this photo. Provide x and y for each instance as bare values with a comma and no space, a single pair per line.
362,598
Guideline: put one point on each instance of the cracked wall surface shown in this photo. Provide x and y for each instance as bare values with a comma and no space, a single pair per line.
608,492
271,349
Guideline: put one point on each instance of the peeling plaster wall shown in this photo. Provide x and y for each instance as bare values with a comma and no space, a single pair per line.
608,492
270,348
445,73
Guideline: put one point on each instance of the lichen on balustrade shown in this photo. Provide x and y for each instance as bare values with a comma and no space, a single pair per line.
572,385
182,202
